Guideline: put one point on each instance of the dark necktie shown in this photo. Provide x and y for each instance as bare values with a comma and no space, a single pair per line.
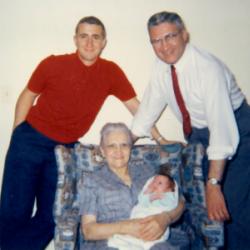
185,115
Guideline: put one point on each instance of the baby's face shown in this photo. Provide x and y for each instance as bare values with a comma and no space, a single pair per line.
161,184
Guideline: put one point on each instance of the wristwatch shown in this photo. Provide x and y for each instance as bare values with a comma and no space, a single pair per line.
213,181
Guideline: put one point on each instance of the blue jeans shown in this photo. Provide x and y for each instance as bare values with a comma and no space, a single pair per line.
236,182
30,175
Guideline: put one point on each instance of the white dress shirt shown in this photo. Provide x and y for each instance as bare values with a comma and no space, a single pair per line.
209,91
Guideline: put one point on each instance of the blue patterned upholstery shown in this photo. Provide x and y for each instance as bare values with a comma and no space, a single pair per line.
185,168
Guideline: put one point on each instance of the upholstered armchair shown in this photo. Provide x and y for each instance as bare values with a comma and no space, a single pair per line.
186,168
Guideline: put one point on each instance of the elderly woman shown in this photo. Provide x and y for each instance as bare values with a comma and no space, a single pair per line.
111,192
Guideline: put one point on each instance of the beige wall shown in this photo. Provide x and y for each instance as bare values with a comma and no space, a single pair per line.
32,29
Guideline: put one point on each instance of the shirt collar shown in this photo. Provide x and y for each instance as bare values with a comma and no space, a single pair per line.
93,66
183,61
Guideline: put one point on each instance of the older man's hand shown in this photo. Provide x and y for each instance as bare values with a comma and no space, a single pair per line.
216,205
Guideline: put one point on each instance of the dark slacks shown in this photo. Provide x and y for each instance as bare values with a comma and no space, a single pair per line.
30,175
236,182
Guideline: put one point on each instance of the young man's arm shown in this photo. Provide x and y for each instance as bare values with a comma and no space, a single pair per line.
23,105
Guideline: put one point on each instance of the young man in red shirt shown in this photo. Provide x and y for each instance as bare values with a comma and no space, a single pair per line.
58,106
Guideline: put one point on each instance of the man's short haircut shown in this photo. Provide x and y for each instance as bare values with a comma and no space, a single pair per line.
166,17
91,20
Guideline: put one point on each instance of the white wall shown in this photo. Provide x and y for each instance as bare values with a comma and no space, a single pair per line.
32,29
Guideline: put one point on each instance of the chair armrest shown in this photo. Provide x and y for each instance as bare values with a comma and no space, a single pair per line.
66,211
193,185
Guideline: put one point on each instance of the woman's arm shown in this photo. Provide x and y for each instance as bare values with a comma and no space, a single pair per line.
149,228
155,225
176,213
98,231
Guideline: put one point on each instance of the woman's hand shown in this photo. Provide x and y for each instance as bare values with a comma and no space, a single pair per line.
154,226
132,227
148,228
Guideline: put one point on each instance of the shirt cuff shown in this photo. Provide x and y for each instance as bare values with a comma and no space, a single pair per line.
140,132
219,153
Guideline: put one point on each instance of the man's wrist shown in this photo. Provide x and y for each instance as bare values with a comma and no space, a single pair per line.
213,181
159,139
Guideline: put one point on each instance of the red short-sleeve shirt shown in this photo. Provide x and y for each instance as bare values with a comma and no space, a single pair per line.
71,94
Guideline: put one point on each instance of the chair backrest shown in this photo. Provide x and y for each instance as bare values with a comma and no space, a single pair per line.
186,168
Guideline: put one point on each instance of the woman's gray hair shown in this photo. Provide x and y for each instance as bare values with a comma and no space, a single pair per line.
111,127
166,17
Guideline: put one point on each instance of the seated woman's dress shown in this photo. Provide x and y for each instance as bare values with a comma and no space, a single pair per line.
109,199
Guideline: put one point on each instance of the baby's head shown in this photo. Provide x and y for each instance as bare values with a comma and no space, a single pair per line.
161,184
165,170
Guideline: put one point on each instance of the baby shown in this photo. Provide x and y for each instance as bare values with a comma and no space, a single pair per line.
159,194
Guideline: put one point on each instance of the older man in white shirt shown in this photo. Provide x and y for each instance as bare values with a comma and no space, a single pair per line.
218,114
